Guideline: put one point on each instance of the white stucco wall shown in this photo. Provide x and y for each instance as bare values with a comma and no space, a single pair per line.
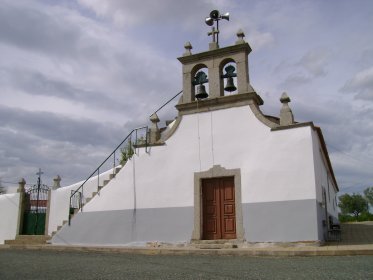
275,165
324,178
60,199
326,207
9,213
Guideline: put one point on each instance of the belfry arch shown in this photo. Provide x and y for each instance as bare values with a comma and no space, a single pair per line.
215,60
194,77
228,76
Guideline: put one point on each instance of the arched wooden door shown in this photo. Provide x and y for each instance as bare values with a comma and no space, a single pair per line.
219,215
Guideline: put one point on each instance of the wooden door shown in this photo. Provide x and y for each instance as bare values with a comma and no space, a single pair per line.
219,218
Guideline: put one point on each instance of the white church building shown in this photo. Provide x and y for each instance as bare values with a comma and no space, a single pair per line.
222,170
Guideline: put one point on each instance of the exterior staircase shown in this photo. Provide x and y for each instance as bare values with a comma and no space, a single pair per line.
104,183
28,240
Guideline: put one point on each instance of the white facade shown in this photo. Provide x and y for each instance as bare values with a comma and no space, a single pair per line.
280,170
283,152
277,172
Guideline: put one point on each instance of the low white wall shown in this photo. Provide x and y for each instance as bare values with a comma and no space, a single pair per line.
9,213
60,199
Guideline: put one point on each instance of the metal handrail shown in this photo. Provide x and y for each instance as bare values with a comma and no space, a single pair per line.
166,103
97,170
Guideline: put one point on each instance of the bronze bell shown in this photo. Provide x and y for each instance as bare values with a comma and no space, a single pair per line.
230,85
201,92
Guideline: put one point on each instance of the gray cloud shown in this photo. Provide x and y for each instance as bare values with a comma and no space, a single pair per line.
37,83
294,81
315,61
57,144
366,59
132,12
30,27
59,128
361,84
310,66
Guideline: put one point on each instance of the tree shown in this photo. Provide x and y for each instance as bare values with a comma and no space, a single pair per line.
368,192
353,204
2,189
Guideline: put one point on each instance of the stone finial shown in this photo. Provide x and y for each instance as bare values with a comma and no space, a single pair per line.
240,35
284,98
56,182
154,134
286,115
21,185
154,118
188,47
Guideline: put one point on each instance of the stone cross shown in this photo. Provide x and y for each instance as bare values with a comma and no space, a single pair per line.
40,173
213,33
188,47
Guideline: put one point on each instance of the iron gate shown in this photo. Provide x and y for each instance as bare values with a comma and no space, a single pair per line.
75,201
36,202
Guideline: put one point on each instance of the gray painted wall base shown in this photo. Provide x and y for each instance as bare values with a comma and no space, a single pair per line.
126,226
279,221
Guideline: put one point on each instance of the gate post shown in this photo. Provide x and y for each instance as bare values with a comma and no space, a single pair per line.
47,213
21,206
56,185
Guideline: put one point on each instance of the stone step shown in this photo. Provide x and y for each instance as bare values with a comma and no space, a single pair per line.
28,240
215,246
106,182
216,241
117,169
111,176
63,223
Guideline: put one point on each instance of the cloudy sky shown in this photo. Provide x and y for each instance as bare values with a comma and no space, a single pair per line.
77,75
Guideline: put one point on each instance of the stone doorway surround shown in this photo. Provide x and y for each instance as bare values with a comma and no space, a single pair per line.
216,172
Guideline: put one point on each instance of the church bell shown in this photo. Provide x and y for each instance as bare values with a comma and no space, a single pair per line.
201,92
230,85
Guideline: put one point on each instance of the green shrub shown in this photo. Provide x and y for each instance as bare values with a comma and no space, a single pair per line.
344,218
126,153
365,216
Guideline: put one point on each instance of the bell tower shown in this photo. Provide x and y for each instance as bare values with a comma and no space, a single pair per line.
209,77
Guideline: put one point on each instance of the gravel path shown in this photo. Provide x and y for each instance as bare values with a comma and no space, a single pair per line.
36,264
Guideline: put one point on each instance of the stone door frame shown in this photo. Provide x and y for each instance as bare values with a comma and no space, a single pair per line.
215,172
